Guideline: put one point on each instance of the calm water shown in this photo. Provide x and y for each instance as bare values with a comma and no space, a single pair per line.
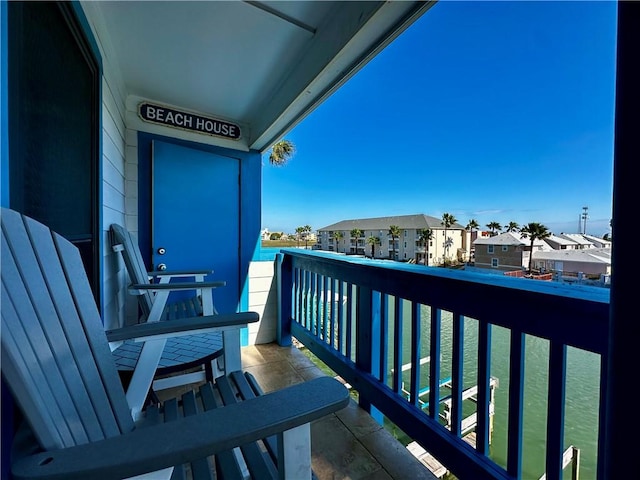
268,253
582,392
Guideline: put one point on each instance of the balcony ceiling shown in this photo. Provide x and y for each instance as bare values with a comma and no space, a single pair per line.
262,65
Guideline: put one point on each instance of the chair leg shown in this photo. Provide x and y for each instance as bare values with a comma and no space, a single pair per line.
208,370
294,453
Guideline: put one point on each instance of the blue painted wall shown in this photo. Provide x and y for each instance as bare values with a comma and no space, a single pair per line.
6,404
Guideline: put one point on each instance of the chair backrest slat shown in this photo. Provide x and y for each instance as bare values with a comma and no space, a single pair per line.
134,263
55,354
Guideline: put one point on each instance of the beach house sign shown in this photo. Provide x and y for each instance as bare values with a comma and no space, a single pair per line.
170,117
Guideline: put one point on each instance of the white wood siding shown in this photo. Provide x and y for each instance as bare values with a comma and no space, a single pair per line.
263,300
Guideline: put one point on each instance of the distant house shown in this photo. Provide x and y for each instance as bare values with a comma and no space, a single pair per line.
455,246
590,261
506,251
598,242
561,243
580,240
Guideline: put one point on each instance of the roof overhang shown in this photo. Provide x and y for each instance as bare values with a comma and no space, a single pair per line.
261,65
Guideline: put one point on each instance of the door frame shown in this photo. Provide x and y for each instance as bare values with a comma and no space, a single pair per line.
76,22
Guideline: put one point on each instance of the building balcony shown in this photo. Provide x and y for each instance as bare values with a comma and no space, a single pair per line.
406,338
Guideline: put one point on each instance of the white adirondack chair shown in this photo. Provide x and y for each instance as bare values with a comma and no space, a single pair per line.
58,365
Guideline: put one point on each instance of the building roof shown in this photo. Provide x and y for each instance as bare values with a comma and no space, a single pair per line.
560,240
597,240
509,238
591,255
405,222
576,237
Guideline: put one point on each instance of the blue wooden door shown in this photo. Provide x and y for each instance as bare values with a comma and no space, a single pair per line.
196,216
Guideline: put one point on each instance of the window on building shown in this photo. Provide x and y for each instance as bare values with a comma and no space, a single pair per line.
490,248
505,248
494,262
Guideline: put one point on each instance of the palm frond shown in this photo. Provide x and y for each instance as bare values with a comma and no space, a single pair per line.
281,152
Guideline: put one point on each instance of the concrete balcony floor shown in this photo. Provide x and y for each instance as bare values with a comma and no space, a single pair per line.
346,445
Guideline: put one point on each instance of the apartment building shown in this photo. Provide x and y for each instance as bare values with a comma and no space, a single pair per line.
407,247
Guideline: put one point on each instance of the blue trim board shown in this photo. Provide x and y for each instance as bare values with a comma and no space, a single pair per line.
84,24
6,406
95,50
4,106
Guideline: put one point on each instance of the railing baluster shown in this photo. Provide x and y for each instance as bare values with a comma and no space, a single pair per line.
516,404
332,313
397,344
297,281
315,303
341,316
384,337
304,298
325,310
483,401
416,337
349,339
368,340
555,415
457,380
602,415
434,363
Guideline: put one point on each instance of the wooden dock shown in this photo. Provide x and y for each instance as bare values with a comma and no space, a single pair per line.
571,456
430,461
468,425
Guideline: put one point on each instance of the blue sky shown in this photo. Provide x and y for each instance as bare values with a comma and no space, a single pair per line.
497,111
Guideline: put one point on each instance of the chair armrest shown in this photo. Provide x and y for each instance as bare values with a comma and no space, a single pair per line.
179,273
164,445
186,326
177,286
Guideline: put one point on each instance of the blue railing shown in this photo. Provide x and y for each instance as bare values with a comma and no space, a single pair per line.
367,319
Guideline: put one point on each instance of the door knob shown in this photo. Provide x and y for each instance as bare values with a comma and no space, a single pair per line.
161,251
162,267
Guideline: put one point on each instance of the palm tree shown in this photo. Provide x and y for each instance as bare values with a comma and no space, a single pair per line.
373,241
394,231
447,221
299,233
337,236
281,152
424,237
494,227
534,231
306,230
512,227
356,233
471,226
